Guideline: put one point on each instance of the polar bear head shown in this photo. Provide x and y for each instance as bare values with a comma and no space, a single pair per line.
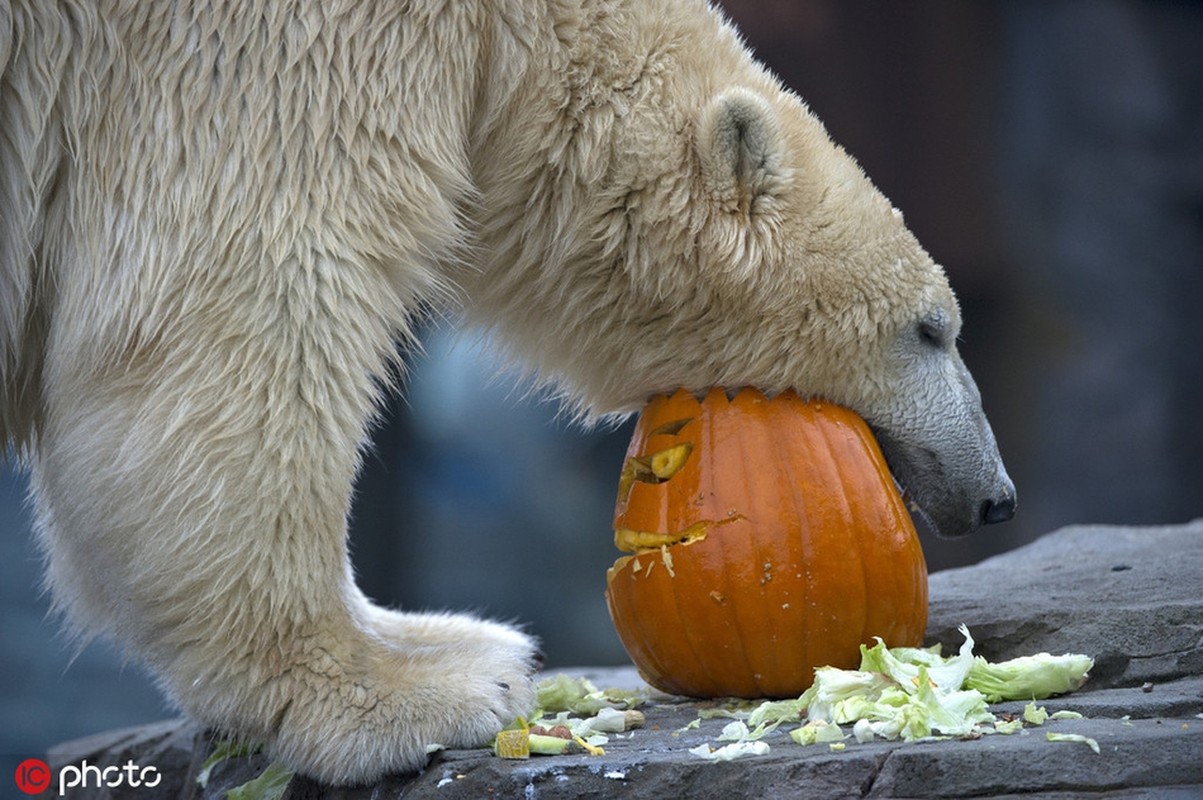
697,227
868,320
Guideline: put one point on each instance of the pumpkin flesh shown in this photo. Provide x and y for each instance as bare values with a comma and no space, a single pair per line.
768,539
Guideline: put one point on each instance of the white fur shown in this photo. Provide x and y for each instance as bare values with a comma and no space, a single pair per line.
219,217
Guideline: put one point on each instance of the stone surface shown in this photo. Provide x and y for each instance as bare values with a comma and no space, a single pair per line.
1132,597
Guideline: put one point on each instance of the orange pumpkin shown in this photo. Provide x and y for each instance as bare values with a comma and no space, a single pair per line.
767,539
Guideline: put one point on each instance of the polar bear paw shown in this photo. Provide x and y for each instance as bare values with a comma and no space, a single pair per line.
414,683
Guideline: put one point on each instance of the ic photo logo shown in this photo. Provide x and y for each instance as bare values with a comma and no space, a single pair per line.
34,776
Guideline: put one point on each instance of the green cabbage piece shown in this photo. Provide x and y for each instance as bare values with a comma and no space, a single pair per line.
225,749
912,693
1074,737
903,663
910,709
731,751
580,696
1034,715
843,695
1008,727
270,785
776,712
817,730
1028,677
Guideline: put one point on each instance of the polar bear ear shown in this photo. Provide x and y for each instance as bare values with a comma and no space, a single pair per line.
741,151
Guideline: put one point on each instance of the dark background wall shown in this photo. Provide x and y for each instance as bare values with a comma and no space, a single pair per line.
1049,154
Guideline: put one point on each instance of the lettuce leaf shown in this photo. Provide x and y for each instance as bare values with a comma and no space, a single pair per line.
913,693
1029,677
580,696
903,663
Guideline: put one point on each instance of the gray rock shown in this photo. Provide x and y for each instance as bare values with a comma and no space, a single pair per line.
1143,623
1130,597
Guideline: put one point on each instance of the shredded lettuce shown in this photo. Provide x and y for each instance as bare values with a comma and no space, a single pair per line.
1008,727
225,749
1028,677
1065,714
907,693
1074,737
902,664
731,751
843,695
1034,715
270,785
817,730
777,712
913,694
580,696
738,731
606,720
910,709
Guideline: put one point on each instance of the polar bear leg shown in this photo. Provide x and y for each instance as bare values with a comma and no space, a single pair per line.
191,498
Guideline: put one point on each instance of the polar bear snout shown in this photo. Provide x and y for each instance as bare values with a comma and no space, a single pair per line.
951,514
1000,508
954,483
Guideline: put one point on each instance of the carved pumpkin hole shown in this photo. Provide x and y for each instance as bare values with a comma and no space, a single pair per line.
666,463
655,467
671,428
630,541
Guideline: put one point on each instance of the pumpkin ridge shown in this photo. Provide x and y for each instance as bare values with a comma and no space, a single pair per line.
814,474
891,510
752,397
700,658
840,457
711,440
794,417
621,603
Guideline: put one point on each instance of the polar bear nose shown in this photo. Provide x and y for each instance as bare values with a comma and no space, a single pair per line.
998,509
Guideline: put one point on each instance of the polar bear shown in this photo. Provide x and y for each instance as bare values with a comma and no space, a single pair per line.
220,218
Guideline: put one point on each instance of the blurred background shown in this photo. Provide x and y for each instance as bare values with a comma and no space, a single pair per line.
1048,153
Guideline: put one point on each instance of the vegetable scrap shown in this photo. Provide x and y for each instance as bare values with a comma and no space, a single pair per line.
901,693
730,752
512,743
1073,737
223,750
816,731
573,716
268,785
914,694
1034,715
1029,677
580,696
